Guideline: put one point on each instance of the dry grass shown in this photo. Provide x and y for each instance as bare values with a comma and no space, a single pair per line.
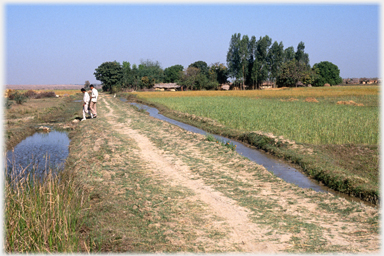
350,102
310,99
61,93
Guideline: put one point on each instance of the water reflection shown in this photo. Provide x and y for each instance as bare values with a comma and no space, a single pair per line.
39,152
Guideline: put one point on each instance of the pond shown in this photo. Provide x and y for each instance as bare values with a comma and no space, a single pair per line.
40,153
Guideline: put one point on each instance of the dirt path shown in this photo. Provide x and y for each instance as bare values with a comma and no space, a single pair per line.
243,231
229,203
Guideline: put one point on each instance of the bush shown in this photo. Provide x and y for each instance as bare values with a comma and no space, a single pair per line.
115,89
18,97
30,94
46,95
8,103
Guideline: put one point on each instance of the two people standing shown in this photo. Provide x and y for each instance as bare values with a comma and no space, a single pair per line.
89,102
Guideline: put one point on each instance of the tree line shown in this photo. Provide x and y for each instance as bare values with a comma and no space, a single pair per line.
198,75
250,63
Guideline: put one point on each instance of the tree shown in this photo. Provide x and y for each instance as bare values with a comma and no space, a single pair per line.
173,74
327,73
218,72
260,66
203,66
300,55
244,56
190,77
293,72
289,54
275,59
86,85
135,77
153,72
127,75
233,57
110,74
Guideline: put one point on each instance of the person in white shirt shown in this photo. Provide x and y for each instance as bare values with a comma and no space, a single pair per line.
86,100
94,96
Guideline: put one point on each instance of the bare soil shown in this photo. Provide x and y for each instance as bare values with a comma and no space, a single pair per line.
157,188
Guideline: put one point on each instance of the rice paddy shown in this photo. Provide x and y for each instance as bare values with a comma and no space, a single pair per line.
306,115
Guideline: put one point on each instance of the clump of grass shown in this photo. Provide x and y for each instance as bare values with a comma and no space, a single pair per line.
42,215
224,143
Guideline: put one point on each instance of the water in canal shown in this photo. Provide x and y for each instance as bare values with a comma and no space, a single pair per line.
40,152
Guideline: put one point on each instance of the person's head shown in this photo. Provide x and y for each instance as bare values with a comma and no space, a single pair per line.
91,86
82,90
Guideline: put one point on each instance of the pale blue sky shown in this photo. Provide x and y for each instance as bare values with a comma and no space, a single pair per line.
64,44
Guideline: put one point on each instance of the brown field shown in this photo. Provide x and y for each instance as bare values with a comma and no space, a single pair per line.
45,87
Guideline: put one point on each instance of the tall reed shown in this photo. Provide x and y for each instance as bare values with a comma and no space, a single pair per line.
42,215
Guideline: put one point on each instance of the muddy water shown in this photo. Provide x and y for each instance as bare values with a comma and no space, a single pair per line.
278,167
39,152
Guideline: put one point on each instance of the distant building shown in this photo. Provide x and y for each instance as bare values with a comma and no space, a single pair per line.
167,87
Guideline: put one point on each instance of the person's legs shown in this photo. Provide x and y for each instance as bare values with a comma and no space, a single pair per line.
93,108
85,110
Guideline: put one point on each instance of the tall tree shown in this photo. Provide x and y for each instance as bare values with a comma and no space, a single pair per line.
275,59
251,76
244,56
233,57
110,74
260,66
300,55
289,54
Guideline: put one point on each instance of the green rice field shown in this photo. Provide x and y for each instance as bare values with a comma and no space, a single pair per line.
322,122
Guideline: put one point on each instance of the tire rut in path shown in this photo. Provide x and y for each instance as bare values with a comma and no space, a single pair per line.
244,233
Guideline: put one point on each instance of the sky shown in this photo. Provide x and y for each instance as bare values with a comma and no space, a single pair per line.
64,43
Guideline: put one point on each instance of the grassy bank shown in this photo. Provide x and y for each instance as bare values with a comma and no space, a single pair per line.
42,216
336,144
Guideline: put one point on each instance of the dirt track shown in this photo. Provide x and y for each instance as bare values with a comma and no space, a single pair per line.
250,209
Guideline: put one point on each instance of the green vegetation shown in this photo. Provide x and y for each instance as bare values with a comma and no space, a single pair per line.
224,143
333,139
42,216
303,122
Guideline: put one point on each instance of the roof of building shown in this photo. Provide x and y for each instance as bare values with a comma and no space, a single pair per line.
166,85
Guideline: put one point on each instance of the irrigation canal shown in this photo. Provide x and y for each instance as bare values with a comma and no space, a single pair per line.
40,153
277,166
